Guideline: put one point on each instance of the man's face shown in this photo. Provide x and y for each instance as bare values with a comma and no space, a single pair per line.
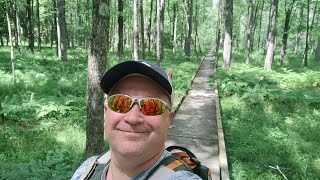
134,134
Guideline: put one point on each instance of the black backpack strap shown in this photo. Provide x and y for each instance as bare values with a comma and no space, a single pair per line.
167,166
193,157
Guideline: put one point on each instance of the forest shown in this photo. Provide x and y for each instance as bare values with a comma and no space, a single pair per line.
267,60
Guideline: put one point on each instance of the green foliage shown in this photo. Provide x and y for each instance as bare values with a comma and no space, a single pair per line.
271,119
43,133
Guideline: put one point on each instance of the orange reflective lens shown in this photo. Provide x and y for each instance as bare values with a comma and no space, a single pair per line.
148,106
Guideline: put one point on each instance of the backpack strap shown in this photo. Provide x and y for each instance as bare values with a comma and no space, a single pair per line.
167,166
96,166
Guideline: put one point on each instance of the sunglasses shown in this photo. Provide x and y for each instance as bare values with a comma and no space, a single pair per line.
148,106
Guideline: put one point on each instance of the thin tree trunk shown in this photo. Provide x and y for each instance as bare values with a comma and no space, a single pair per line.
227,46
218,33
38,24
11,44
97,57
260,22
30,26
55,33
135,30
188,28
120,28
256,8
1,39
62,31
16,26
174,26
143,49
285,34
271,35
150,26
249,30
160,28
317,52
305,58
2,117
298,34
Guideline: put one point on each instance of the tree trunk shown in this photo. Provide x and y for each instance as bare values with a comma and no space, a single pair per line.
188,27
30,26
227,46
55,26
16,26
285,34
305,58
38,24
1,39
135,30
271,35
317,52
143,49
249,30
218,32
97,57
11,44
298,34
150,26
160,28
62,31
120,28
260,22
174,26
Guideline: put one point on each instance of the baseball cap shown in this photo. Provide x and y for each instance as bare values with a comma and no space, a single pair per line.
112,76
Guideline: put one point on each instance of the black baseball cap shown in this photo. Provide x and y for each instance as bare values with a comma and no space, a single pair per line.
146,68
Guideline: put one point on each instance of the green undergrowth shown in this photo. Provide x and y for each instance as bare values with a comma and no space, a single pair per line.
43,115
271,119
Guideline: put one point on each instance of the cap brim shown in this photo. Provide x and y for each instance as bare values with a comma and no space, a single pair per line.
121,70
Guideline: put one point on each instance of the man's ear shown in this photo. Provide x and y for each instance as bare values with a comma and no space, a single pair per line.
170,73
171,114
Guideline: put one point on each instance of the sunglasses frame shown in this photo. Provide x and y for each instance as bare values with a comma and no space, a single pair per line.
138,101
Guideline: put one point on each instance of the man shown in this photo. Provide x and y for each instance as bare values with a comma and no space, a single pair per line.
137,118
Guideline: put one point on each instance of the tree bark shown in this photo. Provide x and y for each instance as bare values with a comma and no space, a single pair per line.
97,57
11,44
298,34
227,46
62,31
135,30
285,34
160,28
38,24
55,27
260,22
120,28
305,58
143,49
30,26
317,52
249,30
271,35
188,27
16,26
150,26
174,26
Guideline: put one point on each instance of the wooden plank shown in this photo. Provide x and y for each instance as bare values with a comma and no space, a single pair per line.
224,170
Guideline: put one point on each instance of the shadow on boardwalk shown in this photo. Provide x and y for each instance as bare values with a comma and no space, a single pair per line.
195,122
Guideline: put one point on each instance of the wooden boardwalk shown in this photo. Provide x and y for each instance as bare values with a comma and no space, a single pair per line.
197,122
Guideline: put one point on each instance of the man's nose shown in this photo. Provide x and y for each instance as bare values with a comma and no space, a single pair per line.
134,115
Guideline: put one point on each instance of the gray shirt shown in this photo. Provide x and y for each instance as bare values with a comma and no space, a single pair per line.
179,175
